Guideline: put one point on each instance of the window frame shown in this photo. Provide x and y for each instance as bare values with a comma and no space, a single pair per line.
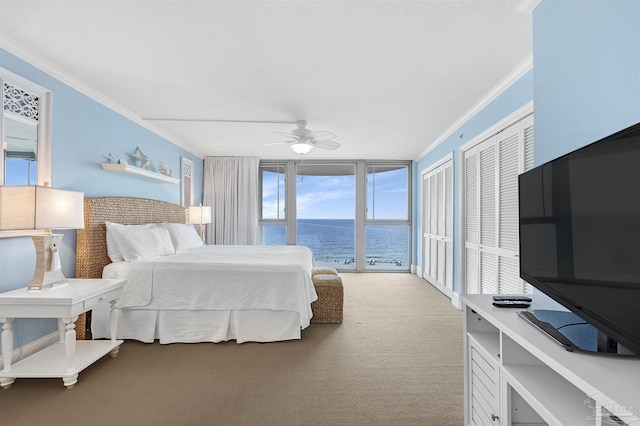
285,197
361,220
43,149
387,222
44,123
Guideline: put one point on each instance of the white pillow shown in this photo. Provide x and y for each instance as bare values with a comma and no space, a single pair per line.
114,231
184,236
112,247
135,242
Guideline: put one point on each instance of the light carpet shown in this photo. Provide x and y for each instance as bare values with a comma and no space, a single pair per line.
396,360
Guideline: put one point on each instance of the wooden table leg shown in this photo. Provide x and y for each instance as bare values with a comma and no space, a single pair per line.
70,351
113,327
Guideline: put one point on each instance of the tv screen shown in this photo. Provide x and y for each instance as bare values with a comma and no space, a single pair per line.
580,233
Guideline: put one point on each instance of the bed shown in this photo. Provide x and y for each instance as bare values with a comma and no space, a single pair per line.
203,294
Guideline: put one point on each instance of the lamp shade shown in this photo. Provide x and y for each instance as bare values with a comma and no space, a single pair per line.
28,207
200,215
301,147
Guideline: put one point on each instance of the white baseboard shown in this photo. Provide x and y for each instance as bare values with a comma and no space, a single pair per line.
31,348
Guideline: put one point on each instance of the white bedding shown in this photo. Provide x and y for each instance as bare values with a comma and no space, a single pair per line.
229,291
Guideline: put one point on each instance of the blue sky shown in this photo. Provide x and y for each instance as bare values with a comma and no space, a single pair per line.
16,172
333,197
318,197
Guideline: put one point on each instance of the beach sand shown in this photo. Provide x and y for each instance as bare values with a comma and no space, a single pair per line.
377,266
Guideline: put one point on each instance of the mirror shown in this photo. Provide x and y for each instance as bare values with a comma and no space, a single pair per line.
25,132
20,151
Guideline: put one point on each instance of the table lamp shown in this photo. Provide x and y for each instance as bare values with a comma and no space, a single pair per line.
200,215
30,207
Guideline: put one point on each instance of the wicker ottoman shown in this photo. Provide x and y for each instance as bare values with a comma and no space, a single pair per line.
320,270
328,308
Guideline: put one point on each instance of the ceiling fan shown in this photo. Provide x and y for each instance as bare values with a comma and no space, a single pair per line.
304,140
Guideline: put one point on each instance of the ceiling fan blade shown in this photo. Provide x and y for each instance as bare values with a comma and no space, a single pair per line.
302,135
321,135
288,135
325,144
276,143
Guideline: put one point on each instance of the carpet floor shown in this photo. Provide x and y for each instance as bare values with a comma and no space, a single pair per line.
395,360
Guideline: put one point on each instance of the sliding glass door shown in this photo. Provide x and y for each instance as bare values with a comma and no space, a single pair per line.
325,212
387,225
273,212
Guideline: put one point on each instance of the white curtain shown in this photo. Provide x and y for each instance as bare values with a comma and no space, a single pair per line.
231,189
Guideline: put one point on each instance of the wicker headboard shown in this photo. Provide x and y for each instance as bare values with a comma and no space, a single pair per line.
91,252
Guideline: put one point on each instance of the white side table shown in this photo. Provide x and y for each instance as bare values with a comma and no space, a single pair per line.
67,357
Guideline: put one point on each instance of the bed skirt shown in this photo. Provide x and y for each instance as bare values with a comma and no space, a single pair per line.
194,326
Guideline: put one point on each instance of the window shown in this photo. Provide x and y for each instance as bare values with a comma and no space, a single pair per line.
387,196
353,215
20,170
325,213
387,233
272,204
25,130
273,191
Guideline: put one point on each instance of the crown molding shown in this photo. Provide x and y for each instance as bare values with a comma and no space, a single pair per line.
65,77
511,119
527,6
521,69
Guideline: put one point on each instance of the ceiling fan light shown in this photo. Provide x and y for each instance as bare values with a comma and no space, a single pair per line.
301,147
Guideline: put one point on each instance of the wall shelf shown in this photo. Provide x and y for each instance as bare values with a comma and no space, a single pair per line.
137,171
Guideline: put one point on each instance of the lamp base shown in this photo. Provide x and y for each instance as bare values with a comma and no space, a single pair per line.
48,272
201,231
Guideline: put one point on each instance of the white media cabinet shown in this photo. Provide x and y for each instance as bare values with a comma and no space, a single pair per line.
516,374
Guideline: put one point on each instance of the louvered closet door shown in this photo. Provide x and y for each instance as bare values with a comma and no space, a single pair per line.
471,248
488,214
491,210
480,219
448,227
438,227
508,147
433,228
440,272
426,226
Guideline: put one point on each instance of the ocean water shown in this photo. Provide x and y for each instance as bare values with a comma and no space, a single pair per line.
332,242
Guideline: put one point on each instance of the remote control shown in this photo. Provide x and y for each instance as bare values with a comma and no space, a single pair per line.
502,297
511,304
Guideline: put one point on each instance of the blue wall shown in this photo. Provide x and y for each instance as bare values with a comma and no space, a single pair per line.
83,131
585,85
587,72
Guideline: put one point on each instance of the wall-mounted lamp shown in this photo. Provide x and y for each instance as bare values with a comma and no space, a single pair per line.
29,207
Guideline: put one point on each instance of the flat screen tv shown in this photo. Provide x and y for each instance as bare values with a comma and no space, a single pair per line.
579,230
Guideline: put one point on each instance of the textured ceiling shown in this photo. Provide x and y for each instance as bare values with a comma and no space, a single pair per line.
389,78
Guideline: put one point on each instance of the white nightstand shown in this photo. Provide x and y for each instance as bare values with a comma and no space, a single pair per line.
66,358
